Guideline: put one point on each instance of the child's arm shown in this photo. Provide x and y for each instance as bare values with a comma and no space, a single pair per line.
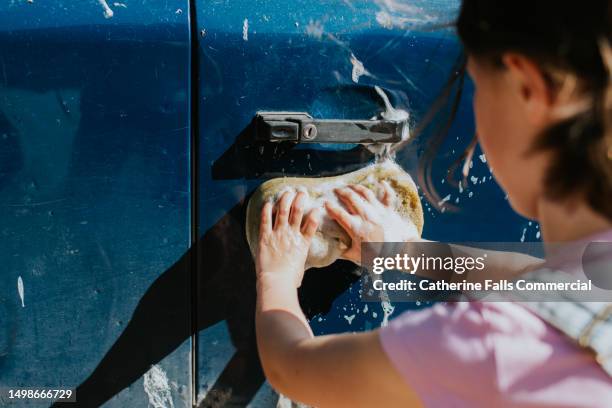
339,370
350,370
362,227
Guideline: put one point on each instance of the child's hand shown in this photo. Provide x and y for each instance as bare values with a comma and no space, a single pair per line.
369,219
284,243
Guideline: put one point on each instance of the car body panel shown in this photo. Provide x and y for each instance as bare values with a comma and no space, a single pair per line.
94,185
125,285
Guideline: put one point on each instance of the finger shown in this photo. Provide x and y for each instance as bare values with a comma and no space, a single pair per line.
311,223
388,194
364,192
341,216
352,201
265,226
283,207
297,210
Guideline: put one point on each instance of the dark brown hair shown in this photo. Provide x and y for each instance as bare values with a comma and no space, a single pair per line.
567,40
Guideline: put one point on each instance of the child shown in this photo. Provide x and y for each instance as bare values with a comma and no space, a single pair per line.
543,104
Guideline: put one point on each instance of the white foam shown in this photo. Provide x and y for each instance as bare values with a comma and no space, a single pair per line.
358,69
108,12
388,310
445,199
20,290
390,112
245,29
524,233
349,319
383,151
157,388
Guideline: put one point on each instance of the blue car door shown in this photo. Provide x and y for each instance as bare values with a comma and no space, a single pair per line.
324,58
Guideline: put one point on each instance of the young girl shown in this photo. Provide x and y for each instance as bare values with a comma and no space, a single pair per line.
543,104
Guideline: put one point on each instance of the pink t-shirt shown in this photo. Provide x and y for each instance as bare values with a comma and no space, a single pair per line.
492,354
495,354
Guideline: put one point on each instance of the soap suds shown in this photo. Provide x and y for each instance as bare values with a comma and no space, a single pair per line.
392,113
157,388
108,12
384,150
388,310
444,200
20,290
245,29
